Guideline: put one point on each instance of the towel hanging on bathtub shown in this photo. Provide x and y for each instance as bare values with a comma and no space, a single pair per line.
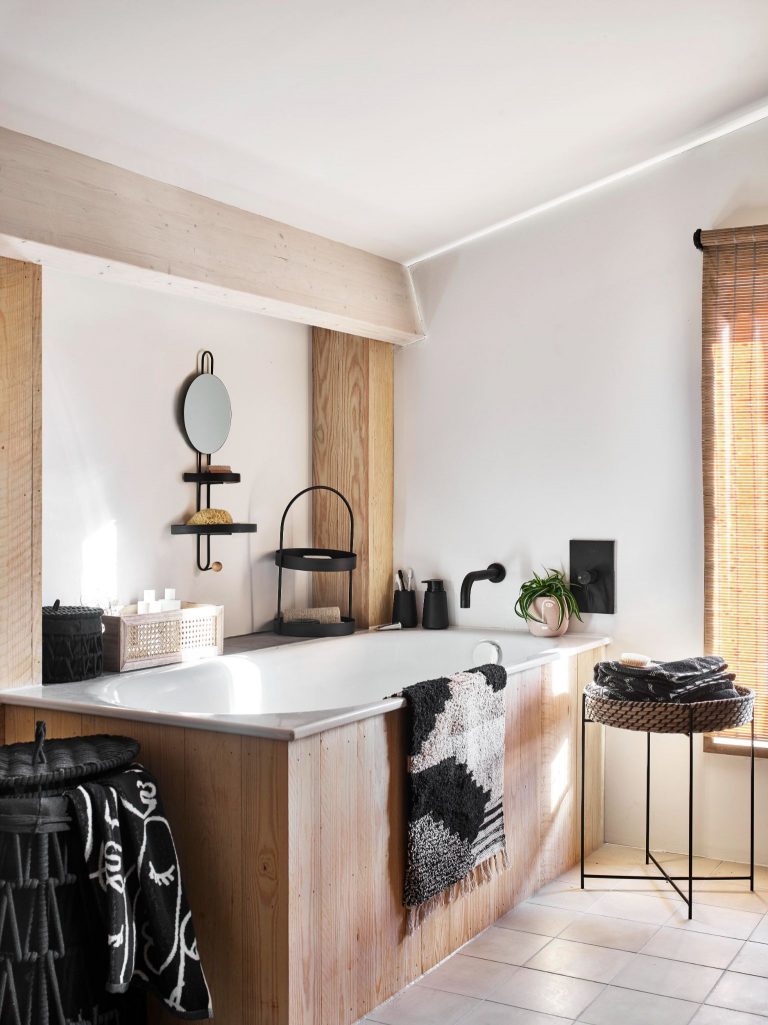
455,787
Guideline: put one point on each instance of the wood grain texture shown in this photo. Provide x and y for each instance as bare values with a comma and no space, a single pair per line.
594,826
353,450
20,473
83,215
293,854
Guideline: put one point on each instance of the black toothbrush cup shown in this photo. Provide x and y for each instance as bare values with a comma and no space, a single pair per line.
404,609
434,615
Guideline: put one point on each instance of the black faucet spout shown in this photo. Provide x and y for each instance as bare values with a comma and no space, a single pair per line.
495,573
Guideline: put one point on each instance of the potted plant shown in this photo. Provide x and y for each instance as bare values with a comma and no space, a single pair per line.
546,603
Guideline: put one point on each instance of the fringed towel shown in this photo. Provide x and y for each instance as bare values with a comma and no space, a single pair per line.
455,787
131,860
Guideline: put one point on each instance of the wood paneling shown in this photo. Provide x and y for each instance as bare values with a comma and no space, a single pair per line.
79,214
293,854
20,473
352,450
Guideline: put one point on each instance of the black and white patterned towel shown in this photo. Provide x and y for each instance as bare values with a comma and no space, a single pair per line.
455,787
689,679
131,860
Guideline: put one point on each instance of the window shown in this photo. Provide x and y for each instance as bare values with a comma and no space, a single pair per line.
735,455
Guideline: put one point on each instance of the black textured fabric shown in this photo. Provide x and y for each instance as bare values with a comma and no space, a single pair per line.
686,680
131,859
455,783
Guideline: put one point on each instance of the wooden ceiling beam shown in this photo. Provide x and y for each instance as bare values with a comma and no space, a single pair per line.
72,212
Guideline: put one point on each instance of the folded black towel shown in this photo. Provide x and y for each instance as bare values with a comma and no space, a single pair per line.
131,860
686,680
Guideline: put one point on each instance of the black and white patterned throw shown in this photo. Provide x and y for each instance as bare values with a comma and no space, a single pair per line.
455,787
131,860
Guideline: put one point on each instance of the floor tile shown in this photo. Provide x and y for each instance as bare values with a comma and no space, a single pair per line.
722,1016
567,896
507,945
717,921
490,1013
543,991
538,918
739,899
609,932
740,993
737,868
580,960
637,907
668,978
418,1005
615,854
470,976
697,948
627,1007
760,933
752,959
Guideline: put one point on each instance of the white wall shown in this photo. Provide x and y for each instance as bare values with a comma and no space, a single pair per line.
115,362
557,397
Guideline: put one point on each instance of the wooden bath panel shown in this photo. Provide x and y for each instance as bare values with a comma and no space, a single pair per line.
293,853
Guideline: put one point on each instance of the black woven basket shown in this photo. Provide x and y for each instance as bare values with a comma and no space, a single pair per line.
53,942
670,716
72,645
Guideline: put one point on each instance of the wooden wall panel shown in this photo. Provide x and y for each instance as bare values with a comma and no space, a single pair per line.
79,214
20,473
352,450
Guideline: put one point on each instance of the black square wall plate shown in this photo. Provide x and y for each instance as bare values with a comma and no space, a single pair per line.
593,575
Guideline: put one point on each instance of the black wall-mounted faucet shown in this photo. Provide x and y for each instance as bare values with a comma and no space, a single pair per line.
495,573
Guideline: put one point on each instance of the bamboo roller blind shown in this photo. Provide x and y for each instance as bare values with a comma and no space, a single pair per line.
735,454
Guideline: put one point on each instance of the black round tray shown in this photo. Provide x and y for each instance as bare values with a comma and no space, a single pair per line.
346,626
337,561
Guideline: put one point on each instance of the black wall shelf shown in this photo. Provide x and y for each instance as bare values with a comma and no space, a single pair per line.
213,528
211,478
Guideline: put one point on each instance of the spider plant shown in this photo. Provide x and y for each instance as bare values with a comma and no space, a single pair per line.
553,585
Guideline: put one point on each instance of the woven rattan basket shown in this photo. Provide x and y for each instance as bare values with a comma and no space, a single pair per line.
670,716
134,641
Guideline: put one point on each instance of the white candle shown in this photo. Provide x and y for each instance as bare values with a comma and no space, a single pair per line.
149,595
142,607
170,593
171,605
155,606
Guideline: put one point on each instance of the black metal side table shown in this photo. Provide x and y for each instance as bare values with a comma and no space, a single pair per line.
670,717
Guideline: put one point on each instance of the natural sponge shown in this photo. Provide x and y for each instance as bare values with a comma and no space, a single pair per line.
205,517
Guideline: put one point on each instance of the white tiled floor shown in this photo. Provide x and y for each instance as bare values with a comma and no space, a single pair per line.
621,956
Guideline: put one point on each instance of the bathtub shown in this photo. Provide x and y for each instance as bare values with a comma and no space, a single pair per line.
292,691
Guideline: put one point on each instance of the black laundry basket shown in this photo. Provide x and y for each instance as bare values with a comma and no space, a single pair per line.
53,945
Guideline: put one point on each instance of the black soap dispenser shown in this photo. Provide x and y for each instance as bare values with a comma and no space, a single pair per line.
435,614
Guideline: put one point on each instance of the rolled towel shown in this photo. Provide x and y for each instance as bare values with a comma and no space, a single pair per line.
326,615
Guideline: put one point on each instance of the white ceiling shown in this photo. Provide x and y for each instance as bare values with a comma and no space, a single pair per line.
396,126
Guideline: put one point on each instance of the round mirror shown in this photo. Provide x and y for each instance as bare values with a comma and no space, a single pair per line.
207,413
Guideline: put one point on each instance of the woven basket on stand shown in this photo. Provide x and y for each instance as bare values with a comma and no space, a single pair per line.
670,716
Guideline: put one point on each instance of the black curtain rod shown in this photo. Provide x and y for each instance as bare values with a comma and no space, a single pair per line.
697,239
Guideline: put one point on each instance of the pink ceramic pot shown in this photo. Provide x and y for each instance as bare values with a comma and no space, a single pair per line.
548,610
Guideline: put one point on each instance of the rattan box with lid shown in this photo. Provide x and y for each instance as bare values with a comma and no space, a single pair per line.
133,641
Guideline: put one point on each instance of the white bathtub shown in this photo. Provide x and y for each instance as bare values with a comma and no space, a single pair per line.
295,690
